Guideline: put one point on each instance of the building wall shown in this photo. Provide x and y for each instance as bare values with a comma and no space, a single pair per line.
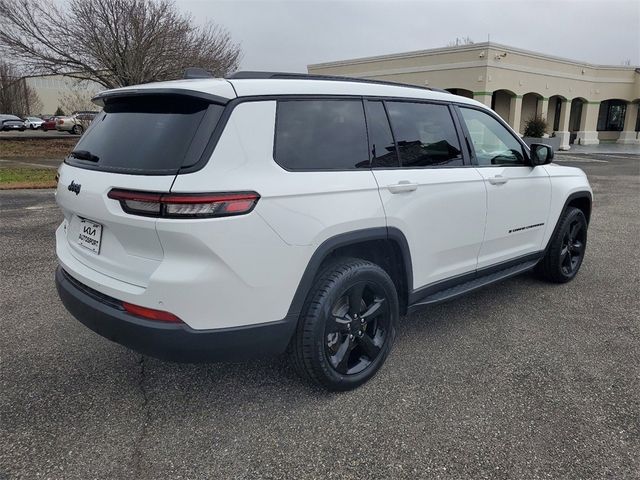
51,90
528,77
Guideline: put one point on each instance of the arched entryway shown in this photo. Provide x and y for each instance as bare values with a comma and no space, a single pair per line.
575,117
501,103
554,113
531,107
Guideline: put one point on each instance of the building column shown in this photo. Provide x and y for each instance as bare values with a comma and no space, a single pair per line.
588,134
483,97
628,135
563,134
542,110
543,107
515,113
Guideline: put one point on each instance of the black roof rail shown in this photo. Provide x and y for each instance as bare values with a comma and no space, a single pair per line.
242,75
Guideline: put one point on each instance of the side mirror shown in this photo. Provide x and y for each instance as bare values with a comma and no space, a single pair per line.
541,154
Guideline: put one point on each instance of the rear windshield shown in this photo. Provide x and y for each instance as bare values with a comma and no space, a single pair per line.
152,134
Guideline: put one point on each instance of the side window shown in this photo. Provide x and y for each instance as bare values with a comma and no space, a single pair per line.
425,133
381,145
492,142
321,135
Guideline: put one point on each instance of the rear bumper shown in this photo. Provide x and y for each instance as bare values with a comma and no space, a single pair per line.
181,343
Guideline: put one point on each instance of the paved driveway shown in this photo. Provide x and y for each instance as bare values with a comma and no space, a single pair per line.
519,380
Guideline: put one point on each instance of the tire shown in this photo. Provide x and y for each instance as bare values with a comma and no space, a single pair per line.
347,326
77,130
566,249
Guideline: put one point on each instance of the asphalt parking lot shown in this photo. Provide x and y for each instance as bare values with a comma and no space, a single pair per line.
520,380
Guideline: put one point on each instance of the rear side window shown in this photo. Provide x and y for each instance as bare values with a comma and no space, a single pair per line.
321,135
151,134
425,134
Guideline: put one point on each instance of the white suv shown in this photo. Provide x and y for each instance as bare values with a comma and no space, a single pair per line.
211,219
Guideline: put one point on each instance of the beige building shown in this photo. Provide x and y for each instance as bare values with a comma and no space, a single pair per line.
583,103
60,91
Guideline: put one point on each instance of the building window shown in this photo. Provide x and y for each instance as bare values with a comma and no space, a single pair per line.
611,115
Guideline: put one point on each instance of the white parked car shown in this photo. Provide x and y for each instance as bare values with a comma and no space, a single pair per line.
33,122
219,219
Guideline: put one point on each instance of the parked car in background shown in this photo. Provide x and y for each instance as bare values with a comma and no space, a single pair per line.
77,123
49,123
11,122
33,122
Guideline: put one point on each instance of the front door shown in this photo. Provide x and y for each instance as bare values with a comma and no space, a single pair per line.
518,195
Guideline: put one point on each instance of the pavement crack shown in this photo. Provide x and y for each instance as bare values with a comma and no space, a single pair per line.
146,417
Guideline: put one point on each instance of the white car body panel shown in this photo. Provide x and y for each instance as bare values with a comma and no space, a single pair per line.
522,202
443,219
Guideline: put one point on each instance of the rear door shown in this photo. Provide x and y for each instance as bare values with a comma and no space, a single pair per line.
518,195
137,143
428,190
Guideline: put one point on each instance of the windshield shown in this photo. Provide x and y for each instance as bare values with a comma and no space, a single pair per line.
151,134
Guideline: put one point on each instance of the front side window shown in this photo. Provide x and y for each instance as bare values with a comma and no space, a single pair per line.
492,142
321,135
425,134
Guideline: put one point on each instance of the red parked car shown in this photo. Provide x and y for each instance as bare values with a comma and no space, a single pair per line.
49,123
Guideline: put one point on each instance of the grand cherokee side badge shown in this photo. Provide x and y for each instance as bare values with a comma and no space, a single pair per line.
74,187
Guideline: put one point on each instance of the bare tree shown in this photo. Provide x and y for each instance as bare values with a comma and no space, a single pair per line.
77,96
113,42
16,97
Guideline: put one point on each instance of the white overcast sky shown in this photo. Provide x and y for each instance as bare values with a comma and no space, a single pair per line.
289,35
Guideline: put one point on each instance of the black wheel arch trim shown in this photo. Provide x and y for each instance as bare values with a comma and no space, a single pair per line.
574,196
324,250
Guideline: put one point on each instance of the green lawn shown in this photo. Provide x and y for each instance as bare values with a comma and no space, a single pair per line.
27,178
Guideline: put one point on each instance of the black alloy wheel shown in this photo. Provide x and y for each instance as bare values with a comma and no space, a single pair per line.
566,248
573,245
357,328
347,326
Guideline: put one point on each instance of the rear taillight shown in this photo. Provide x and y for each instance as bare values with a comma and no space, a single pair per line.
60,121
185,205
150,313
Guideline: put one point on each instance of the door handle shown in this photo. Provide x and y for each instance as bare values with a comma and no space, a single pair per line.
498,180
402,187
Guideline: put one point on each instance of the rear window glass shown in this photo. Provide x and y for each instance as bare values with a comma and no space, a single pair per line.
321,135
154,134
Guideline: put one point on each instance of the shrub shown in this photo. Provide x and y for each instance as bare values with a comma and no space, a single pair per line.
59,112
535,127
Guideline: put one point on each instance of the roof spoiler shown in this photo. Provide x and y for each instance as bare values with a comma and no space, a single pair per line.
107,95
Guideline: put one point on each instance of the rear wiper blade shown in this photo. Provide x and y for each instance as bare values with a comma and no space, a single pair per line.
85,155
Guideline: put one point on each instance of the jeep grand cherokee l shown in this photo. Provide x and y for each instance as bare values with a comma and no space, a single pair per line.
211,219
